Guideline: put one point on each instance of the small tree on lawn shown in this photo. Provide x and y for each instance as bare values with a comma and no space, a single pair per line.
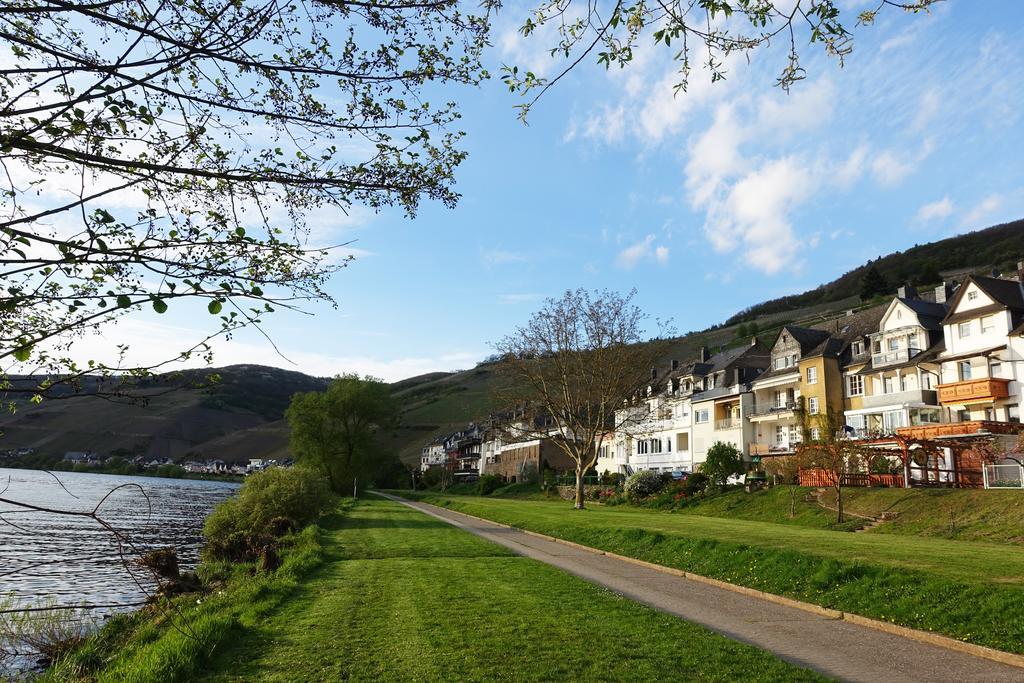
723,461
577,361
787,469
826,447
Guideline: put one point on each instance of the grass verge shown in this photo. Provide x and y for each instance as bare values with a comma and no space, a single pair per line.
170,641
966,590
405,597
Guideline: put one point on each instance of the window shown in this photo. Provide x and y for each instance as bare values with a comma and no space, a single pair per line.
1013,413
995,369
963,416
964,330
988,324
642,446
815,433
912,340
812,405
812,375
971,296
888,385
780,435
964,368
854,385
858,348
894,343
701,415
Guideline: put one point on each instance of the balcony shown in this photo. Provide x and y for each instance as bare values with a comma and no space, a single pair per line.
768,450
727,423
974,390
880,360
900,398
959,429
772,411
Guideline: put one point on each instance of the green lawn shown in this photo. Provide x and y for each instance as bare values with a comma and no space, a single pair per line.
401,596
968,590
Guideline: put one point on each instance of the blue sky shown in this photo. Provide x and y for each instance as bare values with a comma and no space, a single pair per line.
705,202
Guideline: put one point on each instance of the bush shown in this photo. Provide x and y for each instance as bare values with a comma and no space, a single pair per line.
723,461
695,483
268,504
489,483
643,484
611,478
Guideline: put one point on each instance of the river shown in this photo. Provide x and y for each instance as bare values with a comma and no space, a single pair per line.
47,557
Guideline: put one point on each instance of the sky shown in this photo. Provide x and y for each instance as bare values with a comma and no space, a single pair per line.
706,202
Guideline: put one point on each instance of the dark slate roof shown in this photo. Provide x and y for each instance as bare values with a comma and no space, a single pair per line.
847,329
929,313
1007,292
808,338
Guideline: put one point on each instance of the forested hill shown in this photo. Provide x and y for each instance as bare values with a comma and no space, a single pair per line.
998,247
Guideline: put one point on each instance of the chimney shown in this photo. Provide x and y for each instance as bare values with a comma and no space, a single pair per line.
703,354
675,364
942,292
906,292
654,373
994,273
738,374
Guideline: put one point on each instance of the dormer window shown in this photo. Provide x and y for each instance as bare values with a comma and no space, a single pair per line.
858,348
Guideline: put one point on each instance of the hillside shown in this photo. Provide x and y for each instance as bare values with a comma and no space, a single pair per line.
241,416
998,247
234,419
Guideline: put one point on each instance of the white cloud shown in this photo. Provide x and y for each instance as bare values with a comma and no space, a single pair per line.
151,342
935,211
982,211
645,249
518,298
496,257
889,169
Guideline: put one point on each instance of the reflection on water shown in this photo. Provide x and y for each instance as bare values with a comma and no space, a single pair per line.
73,559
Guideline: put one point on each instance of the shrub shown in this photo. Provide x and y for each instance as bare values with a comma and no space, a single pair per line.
528,475
489,483
610,478
695,483
723,461
642,484
268,504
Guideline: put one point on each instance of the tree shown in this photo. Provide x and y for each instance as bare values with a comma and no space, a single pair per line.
156,153
579,360
723,461
705,34
338,430
826,447
872,284
787,469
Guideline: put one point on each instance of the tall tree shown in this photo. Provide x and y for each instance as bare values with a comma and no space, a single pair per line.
156,152
578,362
872,284
339,430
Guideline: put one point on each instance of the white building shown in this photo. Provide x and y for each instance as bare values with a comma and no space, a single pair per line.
432,454
981,367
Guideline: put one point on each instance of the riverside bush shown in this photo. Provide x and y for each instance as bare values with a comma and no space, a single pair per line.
489,483
643,484
268,504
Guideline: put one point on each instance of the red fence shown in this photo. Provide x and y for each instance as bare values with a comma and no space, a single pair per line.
818,477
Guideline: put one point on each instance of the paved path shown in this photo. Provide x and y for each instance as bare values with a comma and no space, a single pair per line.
833,647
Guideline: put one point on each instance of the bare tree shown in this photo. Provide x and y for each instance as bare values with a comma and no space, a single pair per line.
825,447
579,360
156,153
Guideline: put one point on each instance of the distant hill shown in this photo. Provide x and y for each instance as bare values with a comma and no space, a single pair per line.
242,415
237,418
998,248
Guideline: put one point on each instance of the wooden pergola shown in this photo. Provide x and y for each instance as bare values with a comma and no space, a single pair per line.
962,468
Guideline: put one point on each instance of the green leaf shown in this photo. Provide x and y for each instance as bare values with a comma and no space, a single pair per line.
22,353
214,307
159,305
124,301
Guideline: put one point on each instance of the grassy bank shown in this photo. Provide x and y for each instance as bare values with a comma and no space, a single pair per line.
968,590
170,640
402,596
958,514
